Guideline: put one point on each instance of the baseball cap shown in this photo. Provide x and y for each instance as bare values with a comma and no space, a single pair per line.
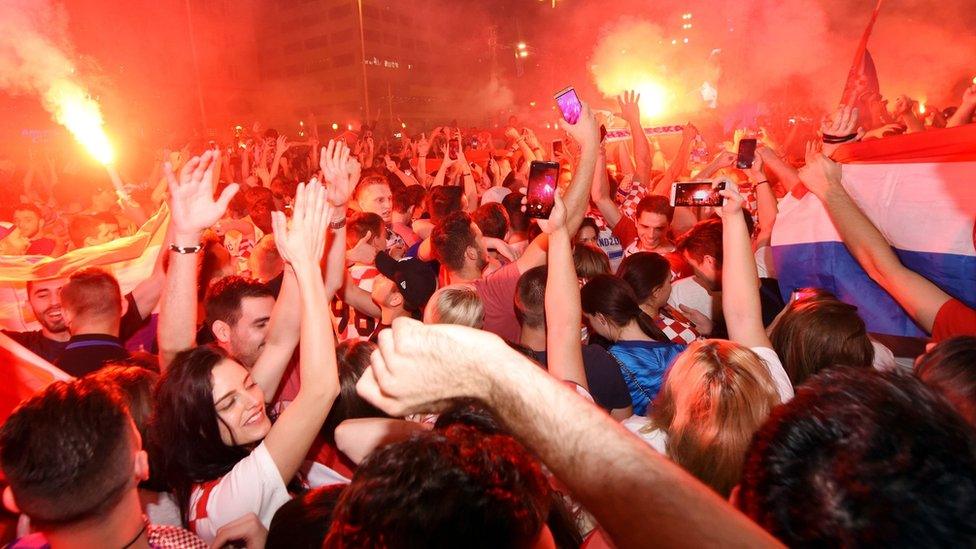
414,279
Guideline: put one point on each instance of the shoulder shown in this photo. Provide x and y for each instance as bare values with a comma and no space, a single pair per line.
173,537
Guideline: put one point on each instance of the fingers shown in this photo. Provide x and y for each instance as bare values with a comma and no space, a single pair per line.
227,195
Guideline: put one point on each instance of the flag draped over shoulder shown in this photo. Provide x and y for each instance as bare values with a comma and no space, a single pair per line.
130,260
918,190
23,374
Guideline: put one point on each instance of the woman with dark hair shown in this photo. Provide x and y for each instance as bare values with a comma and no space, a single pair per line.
649,275
642,351
211,435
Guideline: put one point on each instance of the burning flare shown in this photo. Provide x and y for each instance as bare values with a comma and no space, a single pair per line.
75,110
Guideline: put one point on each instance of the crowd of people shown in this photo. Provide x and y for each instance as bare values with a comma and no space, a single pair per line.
370,343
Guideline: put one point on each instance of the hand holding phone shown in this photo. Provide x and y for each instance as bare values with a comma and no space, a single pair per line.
746,154
540,198
569,105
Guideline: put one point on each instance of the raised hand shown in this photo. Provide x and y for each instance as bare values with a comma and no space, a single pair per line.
191,195
756,173
698,318
423,145
341,172
820,174
363,252
969,95
901,105
389,163
420,368
733,200
302,243
281,145
629,108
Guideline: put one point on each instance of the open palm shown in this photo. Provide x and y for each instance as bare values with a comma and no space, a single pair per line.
191,195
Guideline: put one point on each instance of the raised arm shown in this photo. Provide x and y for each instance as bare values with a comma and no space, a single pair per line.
341,172
302,245
600,192
587,134
740,279
920,298
193,209
765,202
630,110
678,164
786,174
563,310
612,473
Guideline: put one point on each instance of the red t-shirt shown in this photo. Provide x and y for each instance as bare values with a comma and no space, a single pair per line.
497,292
955,318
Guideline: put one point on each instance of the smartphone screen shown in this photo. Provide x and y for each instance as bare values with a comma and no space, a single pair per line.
557,147
569,104
453,149
747,153
543,177
696,193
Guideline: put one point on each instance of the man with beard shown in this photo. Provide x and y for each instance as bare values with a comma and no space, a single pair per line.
44,297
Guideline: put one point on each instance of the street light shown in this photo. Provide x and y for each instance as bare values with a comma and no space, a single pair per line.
521,46
523,53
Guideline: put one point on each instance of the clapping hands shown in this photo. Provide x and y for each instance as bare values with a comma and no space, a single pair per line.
302,243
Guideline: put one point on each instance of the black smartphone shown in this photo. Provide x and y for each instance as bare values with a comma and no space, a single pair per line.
452,149
569,105
557,147
543,177
697,193
747,153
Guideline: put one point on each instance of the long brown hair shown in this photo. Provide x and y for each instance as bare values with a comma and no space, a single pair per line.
813,334
714,398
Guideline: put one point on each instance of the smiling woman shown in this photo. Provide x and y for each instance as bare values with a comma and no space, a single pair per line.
211,436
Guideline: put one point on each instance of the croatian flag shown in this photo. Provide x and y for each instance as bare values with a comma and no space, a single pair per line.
920,191
23,374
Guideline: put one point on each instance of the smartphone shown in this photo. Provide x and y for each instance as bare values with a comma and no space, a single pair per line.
569,105
557,147
452,149
697,193
543,178
747,153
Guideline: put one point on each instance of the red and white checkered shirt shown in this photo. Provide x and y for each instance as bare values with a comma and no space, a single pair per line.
675,325
350,323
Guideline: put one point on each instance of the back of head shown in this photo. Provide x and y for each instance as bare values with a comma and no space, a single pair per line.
304,520
456,488
590,261
92,295
224,297
702,239
820,333
136,384
451,238
361,223
455,304
530,297
950,369
68,452
517,219
714,398
861,457
406,197
352,358
443,201
644,272
613,298
492,219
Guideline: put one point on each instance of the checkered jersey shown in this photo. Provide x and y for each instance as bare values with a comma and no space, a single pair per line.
675,325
